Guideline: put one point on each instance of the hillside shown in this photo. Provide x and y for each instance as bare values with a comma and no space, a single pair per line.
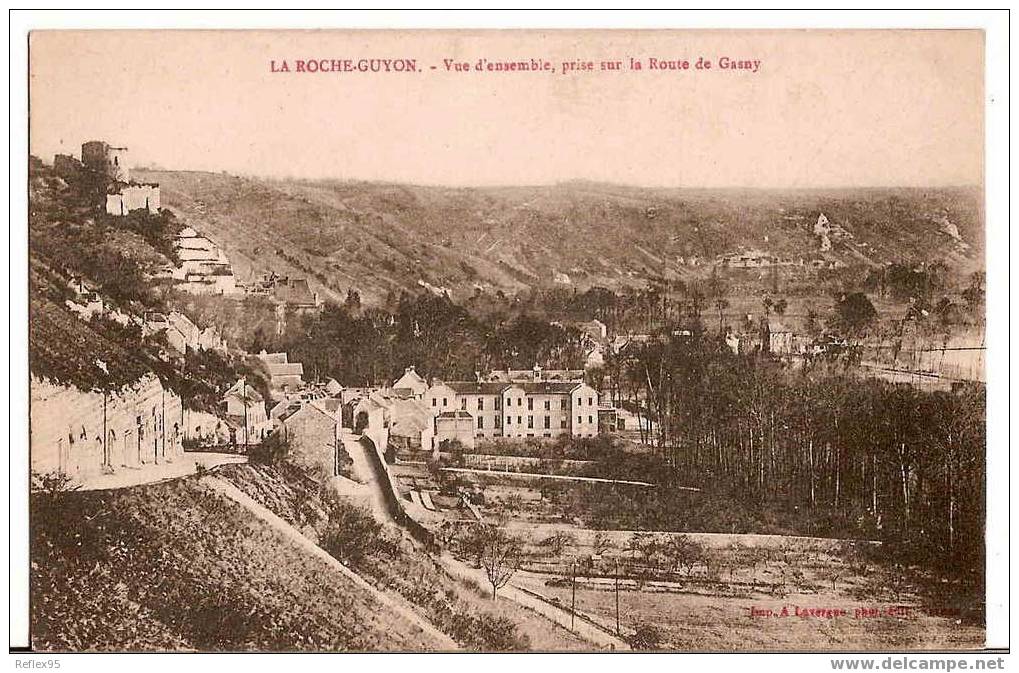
176,566
380,238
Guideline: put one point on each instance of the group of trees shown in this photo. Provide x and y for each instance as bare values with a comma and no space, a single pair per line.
874,457
371,346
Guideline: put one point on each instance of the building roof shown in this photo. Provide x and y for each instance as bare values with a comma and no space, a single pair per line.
330,405
550,387
285,408
248,391
523,375
304,409
285,369
295,291
454,414
268,358
475,388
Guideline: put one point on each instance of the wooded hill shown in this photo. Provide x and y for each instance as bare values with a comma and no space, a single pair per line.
381,238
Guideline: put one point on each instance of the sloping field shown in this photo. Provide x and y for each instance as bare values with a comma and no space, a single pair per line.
177,566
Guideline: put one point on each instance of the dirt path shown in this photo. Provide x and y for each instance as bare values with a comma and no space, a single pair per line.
600,637
442,641
170,468
365,469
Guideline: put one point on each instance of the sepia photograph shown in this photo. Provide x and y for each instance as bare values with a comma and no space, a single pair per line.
486,340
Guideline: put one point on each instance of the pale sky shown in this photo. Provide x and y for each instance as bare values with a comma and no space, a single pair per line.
841,108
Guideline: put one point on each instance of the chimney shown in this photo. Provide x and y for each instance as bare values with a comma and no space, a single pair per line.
409,370
537,373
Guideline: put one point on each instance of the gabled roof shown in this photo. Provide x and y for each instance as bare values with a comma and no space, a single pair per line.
285,408
310,408
236,391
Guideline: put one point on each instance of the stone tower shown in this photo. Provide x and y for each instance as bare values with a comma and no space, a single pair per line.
106,160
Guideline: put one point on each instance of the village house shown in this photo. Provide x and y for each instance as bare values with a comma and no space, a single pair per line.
293,294
452,426
85,434
312,431
333,388
411,381
181,334
778,337
246,414
284,376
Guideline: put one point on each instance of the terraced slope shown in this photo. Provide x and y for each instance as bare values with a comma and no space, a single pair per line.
176,565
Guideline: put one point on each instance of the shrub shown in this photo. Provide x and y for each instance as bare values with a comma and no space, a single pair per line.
273,450
352,536
53,483
645,637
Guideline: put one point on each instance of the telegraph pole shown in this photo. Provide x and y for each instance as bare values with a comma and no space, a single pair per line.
573,606
244,399
617,596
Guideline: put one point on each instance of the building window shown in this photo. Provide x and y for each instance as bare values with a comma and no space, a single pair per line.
548,404
520,401
590,419
445,401
566,404
562,424
481,423
463,404
481,404
509,420
519,420
497,419
548,422
435,401
530,422
497,402
590,401
530,404
579,420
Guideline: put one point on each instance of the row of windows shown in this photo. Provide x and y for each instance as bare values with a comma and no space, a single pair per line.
530,421
520,401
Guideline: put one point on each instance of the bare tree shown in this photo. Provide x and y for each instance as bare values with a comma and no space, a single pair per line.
500,557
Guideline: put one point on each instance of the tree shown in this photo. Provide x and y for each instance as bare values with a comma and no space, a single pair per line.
500,556
558,542
601,544
684,553
854,313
